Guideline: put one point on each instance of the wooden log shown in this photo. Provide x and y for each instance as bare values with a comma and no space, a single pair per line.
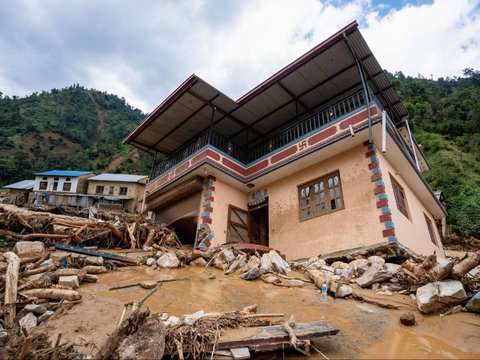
90,278
39,261
42,269
93,269
54,294
151,235
138,283
294,341
68,272
11,287
14,236
439,271
115,231
131,232
129,326
463,267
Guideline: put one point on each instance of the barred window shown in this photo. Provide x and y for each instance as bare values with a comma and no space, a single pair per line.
400,197
320,196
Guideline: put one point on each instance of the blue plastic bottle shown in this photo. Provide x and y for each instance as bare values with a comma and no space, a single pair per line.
324,291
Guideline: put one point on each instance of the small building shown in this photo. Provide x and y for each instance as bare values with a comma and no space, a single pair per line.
118,192
62,187
20,191
317,158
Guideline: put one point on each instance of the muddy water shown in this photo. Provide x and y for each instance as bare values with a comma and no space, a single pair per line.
366,331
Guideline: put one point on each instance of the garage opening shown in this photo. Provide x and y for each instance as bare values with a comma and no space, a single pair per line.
186,229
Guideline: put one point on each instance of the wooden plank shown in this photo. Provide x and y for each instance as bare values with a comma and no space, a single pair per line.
103,254
275,337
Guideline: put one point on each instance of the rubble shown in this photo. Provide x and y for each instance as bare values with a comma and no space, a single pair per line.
168,260
25,249
28,321
343,291
473,305
407,319
373,275
69,281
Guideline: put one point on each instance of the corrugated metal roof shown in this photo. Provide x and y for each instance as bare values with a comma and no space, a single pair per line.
63,173
21,185
118,177
315,79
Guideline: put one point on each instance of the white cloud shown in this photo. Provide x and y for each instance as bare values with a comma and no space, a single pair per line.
142,50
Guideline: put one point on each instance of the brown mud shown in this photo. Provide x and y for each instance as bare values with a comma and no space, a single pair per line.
366,331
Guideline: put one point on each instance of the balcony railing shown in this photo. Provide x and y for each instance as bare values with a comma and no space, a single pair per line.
246,155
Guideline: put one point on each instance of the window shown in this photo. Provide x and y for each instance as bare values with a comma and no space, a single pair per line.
56,178
237,225
99,189
55,185
43,185
110,190
68,179
67,186
122,190
430,229
320,196
44,178
400,197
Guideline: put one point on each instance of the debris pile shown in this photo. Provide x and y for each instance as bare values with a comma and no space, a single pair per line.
437,284
85,232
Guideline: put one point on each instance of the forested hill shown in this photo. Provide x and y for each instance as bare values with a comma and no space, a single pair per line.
445,115
73,128
80,129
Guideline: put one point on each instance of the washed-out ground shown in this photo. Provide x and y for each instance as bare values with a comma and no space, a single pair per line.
366,331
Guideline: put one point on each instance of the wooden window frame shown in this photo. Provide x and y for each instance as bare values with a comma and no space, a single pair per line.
431,230
65,185
313,198
233,224
97,188
43,185
400,197
120,192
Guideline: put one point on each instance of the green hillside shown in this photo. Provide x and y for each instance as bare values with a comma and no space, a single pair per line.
71,128
445,115
81,129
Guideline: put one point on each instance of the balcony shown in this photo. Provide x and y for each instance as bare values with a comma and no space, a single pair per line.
246,155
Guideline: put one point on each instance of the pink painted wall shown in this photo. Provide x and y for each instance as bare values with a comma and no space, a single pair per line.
354,226
412,232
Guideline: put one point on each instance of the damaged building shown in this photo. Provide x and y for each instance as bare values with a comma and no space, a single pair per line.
317,158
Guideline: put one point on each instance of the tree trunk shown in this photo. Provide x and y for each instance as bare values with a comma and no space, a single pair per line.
54,294
463,267
11,288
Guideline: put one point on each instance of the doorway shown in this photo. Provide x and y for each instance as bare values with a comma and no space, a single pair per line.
258,230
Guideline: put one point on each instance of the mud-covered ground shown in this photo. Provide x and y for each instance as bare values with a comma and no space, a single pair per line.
366,331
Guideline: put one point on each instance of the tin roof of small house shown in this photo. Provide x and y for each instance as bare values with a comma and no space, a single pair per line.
21,185
67,173
118,177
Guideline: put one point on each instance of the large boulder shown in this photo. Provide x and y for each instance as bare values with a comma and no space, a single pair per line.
70,281
374,274
168,260
148,342
29,248
473,305
273,262
342,291
435,296
358,267
374,259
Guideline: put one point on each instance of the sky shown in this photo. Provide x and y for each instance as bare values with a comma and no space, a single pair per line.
143,49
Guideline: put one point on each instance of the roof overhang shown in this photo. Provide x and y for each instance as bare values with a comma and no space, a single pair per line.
319,77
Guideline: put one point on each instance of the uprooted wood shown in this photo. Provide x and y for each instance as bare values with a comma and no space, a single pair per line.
297,344
38,347
11,287
140,283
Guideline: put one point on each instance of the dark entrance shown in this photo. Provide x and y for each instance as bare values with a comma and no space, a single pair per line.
258,229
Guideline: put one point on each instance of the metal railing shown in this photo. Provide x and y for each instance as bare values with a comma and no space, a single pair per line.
322,117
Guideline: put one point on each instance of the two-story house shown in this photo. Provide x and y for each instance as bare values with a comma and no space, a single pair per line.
118,191
317,158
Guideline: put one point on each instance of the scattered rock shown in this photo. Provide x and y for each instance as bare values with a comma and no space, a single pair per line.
237,264
173,321
212,276
148,284
168,260
36,309
374,274
376,260
393,268
253,262
473,305
342,291
252,274
358,267
407,319
148,342
226,256
191,319
45,316
70,281
273,262
28,321
3,338
150,261
29,248
198,262
435,296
